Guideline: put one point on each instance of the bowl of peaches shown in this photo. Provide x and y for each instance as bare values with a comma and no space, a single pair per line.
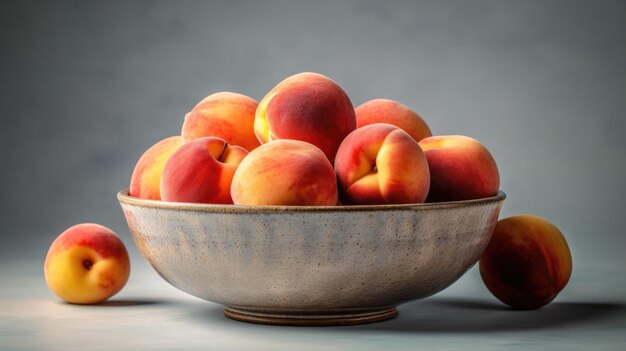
303,210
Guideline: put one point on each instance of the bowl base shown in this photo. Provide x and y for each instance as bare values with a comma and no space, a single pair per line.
311,320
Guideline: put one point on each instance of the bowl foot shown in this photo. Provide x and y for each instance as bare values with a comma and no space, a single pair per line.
311,320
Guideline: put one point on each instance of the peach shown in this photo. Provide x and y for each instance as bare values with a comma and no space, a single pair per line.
87,264
226,115
527,262
285,172
381,164
145,181
308,107
394,113
461,168
201,171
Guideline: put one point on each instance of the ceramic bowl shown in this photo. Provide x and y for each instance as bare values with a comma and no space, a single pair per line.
311,265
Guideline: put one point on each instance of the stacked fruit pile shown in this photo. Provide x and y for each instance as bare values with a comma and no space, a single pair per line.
305,145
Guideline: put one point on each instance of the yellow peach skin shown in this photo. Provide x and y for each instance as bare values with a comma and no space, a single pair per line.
461,168
225,115
394,113
381,164
201,171
87,264
146,178
285,172
309,107
527,262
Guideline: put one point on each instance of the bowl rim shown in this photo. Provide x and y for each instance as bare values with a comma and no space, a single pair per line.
124,198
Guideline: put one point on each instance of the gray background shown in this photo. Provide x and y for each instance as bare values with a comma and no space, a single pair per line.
87,86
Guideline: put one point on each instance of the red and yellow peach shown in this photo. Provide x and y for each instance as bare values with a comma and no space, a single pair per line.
394,113
527,262
87,264
309,107
381,164
201,171
285,172
461,168
145,181
225,115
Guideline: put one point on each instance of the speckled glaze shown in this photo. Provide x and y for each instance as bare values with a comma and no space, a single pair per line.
311,265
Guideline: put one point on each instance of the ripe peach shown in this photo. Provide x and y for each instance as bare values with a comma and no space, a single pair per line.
87,264
201,171
145,182
285,172
461,168
381,164
226,115
308,107
527,262
392,112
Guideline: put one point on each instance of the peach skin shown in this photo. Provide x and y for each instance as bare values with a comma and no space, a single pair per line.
285,172
308,107
225,115
527,262
381,164
86,264
461,168
145,181
201,171
394,113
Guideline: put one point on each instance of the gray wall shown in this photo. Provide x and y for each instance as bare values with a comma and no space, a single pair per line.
87,86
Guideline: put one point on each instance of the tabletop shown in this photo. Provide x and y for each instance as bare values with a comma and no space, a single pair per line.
150,314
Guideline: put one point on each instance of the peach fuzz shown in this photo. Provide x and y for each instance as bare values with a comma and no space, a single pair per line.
145,181
461,168
381,164
201,171
285,172
87,264
394,113
309,107
225,115
527,262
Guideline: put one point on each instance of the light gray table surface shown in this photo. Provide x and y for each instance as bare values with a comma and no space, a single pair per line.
148,313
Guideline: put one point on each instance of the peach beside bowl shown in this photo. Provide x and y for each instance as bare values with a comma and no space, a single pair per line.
311,265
